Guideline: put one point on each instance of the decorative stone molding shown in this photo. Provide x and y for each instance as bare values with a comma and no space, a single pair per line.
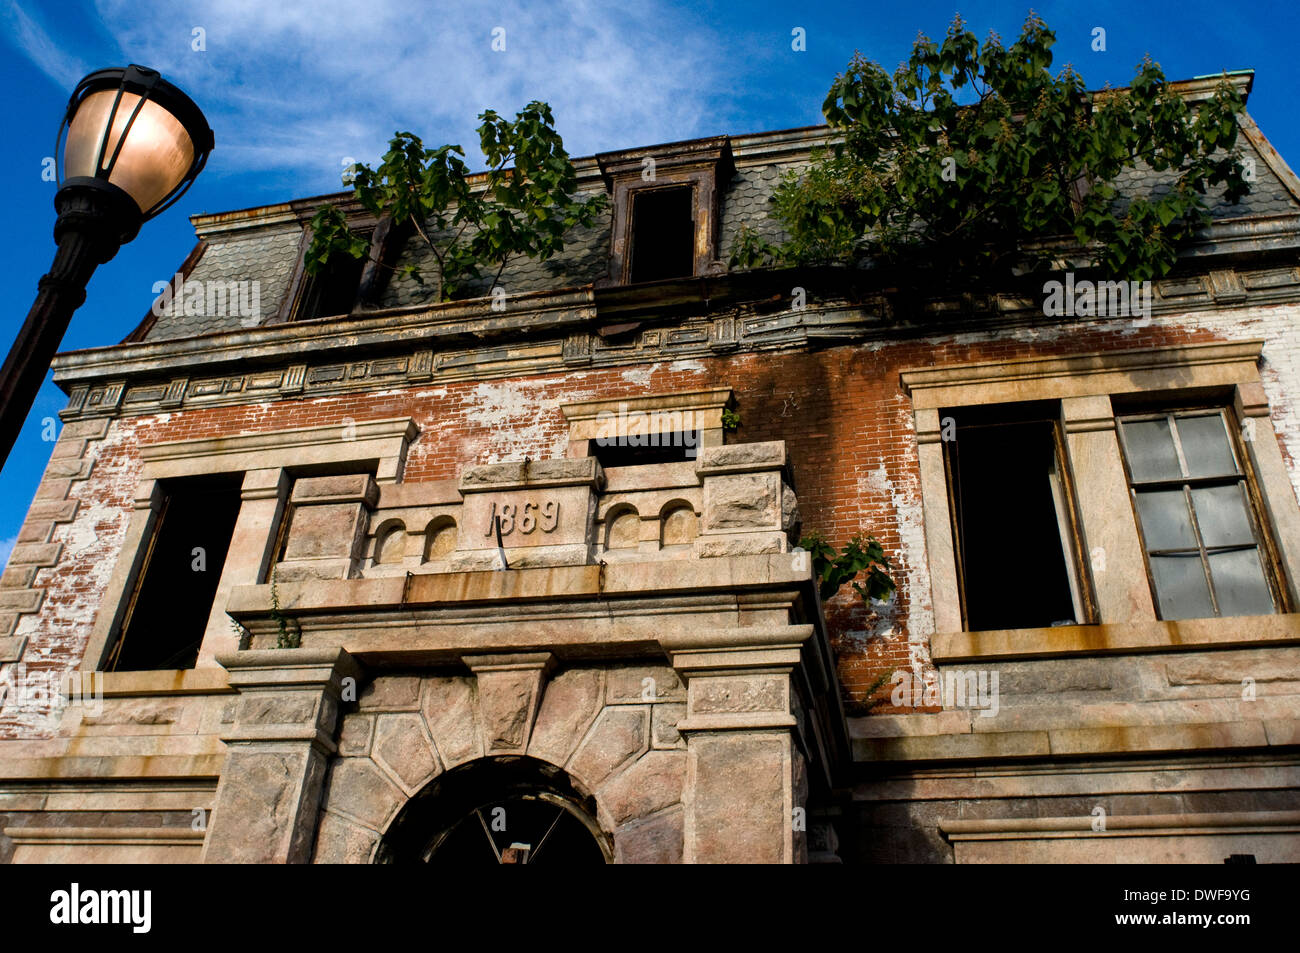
383,441
1271,836
541,343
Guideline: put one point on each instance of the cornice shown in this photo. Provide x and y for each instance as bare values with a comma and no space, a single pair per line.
557,332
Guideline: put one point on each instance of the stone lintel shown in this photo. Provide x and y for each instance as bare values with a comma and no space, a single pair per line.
649,414
1080,375
532,475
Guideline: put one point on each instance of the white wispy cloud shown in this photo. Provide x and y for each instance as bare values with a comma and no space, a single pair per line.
31,37
295,88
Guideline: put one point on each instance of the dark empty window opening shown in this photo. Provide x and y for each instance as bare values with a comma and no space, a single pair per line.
332,291
173,598
642,449
1012,520
663,234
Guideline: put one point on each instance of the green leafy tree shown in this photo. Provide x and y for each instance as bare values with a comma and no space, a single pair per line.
833,569
523,206
974,159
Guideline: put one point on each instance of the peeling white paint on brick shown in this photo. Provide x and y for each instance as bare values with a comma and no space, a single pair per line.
640,375
518,421
905,502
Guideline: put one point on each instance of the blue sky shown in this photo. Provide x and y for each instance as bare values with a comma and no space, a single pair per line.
294,90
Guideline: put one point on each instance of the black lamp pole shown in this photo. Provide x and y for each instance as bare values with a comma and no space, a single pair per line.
87,237
96,215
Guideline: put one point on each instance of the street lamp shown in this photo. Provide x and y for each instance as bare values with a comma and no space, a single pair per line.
132,144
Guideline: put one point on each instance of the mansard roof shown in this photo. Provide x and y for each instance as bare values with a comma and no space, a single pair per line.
265,244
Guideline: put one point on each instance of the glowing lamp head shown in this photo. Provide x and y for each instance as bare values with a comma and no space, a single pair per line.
129,131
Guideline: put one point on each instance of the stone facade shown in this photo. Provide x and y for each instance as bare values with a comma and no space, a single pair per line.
440,599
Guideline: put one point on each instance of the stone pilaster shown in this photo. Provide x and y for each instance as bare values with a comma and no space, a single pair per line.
745,784
277,752
939,548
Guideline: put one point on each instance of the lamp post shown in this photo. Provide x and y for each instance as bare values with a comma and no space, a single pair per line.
132,144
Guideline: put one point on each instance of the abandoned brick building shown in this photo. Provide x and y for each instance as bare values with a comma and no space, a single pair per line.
513,629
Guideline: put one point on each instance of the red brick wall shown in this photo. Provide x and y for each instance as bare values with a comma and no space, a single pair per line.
842,412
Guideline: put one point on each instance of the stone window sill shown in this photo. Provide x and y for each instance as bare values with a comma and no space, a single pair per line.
1117,639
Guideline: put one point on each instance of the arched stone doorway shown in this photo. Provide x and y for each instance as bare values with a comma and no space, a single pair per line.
498,810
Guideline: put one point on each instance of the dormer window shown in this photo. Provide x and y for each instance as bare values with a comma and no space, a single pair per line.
345,283
666,213
663,234
331,291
